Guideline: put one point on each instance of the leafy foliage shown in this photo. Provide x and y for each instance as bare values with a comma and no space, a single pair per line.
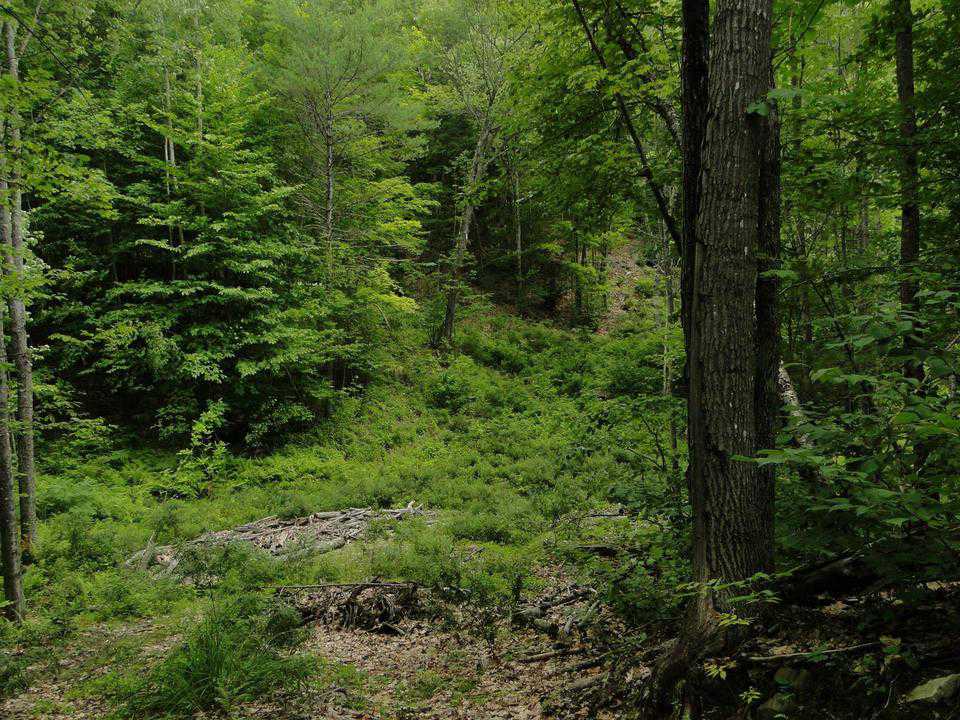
230,656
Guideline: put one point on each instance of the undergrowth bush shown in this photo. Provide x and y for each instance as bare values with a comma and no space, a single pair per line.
232,655
233,565
502,444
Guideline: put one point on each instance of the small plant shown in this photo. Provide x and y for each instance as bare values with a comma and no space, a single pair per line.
13,674
231,656
236,565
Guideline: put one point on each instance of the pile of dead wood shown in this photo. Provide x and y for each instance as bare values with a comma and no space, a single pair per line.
375,606
281,537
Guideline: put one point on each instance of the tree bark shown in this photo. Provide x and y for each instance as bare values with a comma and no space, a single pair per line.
909,175
768,400
694,75
732,314
9,541
26,474
732,347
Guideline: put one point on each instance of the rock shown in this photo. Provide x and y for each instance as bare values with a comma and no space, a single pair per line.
792,679
936,690
777,708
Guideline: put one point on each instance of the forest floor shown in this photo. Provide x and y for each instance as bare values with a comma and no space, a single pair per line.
422,669
499,444
432,659
624,272
484,536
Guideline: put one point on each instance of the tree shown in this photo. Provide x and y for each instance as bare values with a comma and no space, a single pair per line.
732,342
13,227
201,292
477,48
9,537
732,348
348,78
909,175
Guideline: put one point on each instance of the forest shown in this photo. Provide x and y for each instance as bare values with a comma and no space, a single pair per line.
480,359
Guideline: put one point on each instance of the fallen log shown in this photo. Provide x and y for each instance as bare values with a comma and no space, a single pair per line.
811,654
289,538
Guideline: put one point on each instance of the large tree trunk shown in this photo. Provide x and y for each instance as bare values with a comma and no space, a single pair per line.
909,177
18,314
9,541
732,346
732,314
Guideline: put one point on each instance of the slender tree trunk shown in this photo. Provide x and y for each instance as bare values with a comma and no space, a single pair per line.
9,541
329,170
909,174
9,533
475,172
863,225
694,75
26,474
518,233
805,320
198,63
453,292
578,284
170,153
668,319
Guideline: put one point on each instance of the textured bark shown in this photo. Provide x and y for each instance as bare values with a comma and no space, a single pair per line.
909,174
791,403
730,320
26,474
9,541
732,345
767,398
694,73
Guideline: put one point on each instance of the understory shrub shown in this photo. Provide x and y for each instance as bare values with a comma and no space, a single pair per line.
231,656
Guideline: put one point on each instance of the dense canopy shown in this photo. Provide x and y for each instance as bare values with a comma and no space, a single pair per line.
642,311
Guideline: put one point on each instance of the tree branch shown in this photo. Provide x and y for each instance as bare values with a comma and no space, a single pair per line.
647,173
